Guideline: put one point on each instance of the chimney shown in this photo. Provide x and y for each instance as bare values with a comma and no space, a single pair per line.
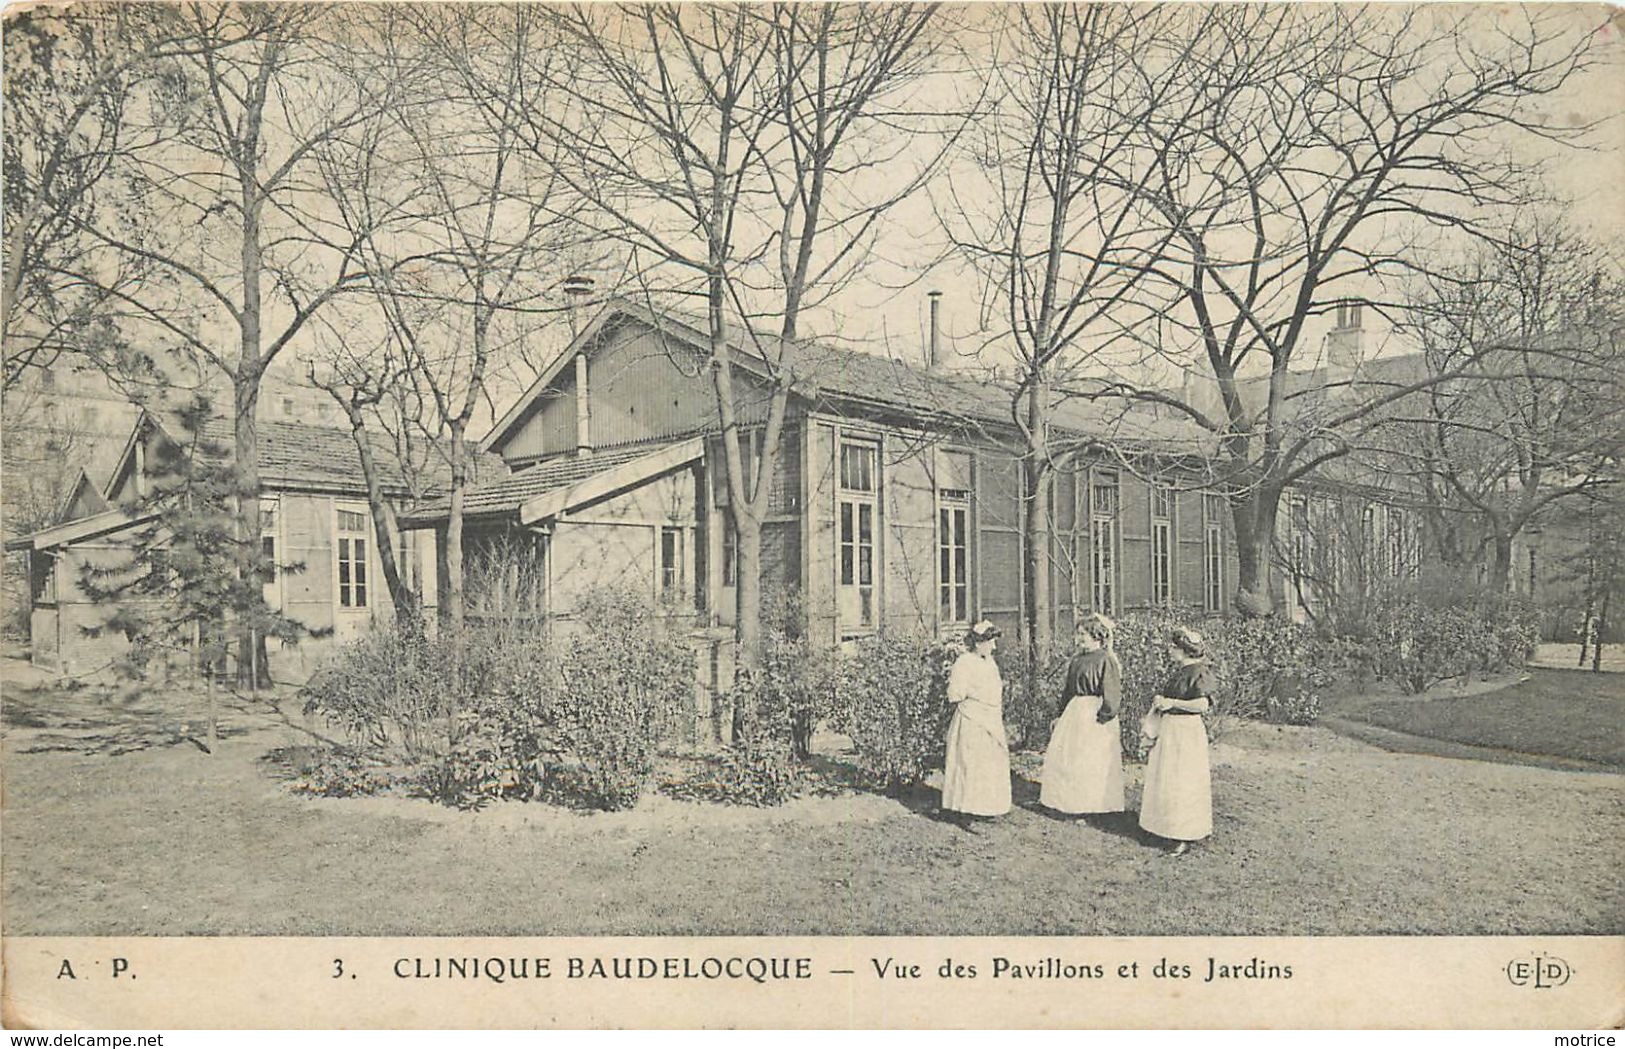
583,408
576,288
936,330
1345,343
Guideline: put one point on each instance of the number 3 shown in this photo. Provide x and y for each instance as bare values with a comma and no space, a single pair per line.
338,968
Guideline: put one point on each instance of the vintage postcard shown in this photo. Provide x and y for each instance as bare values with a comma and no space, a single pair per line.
801,516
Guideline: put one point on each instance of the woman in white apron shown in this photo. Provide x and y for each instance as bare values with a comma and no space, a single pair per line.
1083,765
976,774
1178,800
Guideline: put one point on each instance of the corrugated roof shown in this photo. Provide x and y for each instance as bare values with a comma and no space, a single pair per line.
505,496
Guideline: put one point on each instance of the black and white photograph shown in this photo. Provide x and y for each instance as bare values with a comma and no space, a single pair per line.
1043,471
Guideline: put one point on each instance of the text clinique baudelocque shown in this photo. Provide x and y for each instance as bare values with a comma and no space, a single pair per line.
776,969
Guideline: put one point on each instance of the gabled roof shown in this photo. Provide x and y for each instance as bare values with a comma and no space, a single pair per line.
86,489
301,455
510,494
827,373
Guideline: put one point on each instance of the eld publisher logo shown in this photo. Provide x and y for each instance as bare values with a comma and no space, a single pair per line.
1543,971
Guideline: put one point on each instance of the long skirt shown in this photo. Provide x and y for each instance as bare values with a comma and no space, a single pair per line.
1083,766
1178,801
976,779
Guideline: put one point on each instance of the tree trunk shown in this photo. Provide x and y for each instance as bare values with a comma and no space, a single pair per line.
383,525
748,586
1253,514
1602,624
253,670
250,370
742,509
454,532
1500,561
211,731
1037,481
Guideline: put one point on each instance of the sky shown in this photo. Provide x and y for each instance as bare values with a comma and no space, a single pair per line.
885,310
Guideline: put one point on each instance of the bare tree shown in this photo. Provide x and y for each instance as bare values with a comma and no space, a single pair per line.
1331,139
737,152
1529,409
73,79
487,227
238,231
1600,572
362,385
1050,217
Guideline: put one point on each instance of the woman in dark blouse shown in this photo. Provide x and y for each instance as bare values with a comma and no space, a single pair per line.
1178,800
1083,765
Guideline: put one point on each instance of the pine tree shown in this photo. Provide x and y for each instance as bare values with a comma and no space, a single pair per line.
178,590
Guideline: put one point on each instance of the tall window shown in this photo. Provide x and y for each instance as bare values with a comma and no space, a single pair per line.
953,555
856,512
1103,540
1348,315
671,563
1532,571
352,559
1213,552
1162,545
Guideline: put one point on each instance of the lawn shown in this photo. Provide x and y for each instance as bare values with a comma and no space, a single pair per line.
1567,714
116,824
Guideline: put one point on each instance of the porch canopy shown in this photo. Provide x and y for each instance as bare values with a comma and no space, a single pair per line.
538,494
76,531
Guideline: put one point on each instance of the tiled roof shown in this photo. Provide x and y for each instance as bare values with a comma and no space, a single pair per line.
324,456
844,374
508,494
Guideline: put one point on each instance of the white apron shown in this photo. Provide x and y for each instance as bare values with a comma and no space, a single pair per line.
1083,766
1178,800
976,774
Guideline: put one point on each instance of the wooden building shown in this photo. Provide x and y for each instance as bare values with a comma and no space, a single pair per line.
314,514
896,502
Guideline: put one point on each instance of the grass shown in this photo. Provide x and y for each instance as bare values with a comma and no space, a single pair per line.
1569,714
1316,834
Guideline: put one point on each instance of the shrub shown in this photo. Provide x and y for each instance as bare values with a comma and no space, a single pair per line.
759,773
1433,635
1300,708
622,682
392,692
339,773
894,707
484,715
1030,711
1262,663
402,696
1267,668
1511,631
794,685
499,750
759,766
